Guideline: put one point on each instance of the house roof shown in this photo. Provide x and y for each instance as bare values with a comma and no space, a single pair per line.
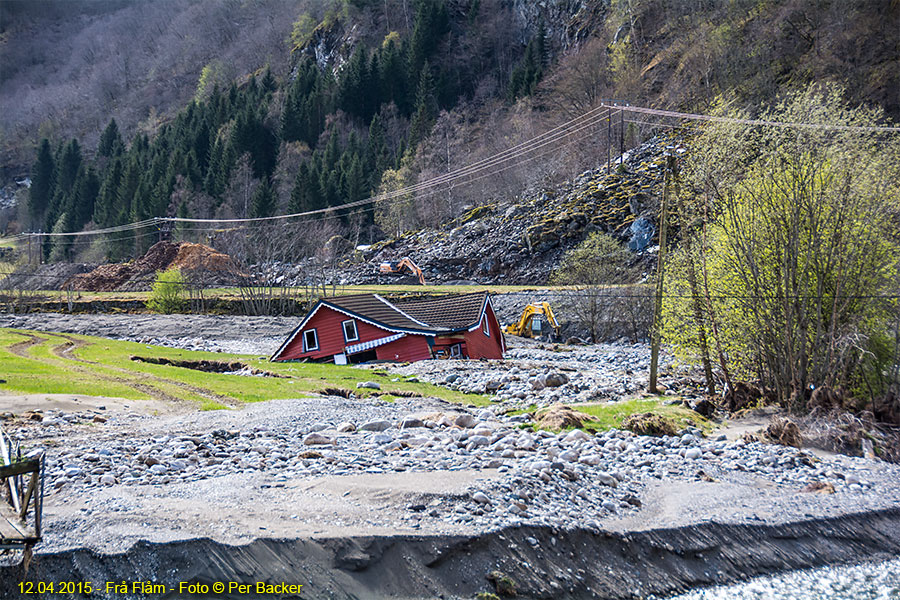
434,315
453,312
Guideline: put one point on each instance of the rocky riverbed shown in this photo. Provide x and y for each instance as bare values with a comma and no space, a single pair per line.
568,480
119,476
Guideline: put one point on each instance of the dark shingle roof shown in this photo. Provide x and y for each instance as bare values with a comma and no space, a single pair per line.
373,307
453,312
433,314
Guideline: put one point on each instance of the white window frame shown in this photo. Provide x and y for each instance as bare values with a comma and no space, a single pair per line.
485,326
355,337
456,351
306,346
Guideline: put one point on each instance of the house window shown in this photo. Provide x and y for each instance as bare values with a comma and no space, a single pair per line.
485,327
310,340
350,333
455,350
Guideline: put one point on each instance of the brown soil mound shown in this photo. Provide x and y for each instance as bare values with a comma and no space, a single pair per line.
139,274
561,417
649,424
785,432
193,257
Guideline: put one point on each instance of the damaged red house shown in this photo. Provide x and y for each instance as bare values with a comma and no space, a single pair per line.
367,327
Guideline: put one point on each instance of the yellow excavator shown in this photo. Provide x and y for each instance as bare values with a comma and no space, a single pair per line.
404,266
532,321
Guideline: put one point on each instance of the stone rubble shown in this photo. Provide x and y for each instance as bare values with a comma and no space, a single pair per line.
569,479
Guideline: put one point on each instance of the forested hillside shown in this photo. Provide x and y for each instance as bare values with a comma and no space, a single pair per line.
126,111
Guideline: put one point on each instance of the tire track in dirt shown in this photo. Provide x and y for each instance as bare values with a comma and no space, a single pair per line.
21,348
66,352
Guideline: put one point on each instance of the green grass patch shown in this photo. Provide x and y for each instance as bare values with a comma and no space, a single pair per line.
611,415
102,367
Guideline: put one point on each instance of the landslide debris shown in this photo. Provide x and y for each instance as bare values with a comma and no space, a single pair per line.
196,261
522,241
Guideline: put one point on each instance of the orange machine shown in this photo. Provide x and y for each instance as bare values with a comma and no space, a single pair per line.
404,266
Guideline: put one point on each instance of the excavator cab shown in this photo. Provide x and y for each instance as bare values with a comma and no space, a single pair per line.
531,323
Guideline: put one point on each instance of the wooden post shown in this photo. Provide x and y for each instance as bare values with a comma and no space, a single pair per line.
622,137
655,332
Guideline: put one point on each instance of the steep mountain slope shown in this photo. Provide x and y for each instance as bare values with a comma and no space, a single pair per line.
319,103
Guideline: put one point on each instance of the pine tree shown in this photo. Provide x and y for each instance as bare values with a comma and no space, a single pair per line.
263,201
426,108
105,206
43,184
528,73
87,186
110,140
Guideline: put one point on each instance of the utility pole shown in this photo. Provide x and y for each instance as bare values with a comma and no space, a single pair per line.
655,332
608,141
622,137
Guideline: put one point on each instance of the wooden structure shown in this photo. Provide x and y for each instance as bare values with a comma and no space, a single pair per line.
367,327
21,496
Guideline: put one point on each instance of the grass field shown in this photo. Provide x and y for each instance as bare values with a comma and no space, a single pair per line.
300,293
49,363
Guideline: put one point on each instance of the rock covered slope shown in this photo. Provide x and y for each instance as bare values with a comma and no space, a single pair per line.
521,242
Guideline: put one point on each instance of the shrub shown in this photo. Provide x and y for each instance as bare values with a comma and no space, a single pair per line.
167,295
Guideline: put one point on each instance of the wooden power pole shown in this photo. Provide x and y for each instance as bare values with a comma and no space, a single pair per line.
656,331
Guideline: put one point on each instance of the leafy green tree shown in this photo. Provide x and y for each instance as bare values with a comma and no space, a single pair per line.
167,293
798,251
596,266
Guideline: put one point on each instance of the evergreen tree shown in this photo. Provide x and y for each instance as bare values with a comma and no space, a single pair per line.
87,186
263,201
525,77
43,184
354,181
426,108
67,165
105,208
110,140
392,76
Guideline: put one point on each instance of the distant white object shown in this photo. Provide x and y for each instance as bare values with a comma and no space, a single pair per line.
363,247
26,182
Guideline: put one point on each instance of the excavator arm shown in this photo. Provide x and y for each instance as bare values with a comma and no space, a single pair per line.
404,265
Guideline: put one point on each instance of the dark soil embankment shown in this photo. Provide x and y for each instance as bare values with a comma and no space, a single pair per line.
562,564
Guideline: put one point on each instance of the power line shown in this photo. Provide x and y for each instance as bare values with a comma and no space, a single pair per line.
752,122
538,142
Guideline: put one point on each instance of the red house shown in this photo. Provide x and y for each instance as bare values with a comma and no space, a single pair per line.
355,329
